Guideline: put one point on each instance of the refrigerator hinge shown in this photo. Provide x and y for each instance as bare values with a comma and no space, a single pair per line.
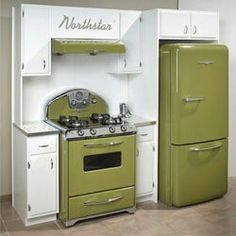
28,164
29,207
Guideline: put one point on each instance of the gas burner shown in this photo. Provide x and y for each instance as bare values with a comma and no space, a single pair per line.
73,122
95,117
112,121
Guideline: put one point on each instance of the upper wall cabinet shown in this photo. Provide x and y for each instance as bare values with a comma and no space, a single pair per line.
175,24
35,40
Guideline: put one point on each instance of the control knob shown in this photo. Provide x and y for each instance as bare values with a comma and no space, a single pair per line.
123,128
73,102
112,129
93,131
80,132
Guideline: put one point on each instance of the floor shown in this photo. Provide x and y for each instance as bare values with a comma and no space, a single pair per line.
216,217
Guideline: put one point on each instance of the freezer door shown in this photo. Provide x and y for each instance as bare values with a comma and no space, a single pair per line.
198,172
199,93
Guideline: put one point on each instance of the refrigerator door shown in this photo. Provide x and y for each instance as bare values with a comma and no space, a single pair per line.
199,93
198,172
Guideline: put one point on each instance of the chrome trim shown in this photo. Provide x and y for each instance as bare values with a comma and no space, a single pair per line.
193,99
43,146
194,29
108,201
98,145
177,71
198,149
206,62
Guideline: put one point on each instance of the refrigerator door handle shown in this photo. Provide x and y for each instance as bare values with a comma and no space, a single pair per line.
198,149
193,99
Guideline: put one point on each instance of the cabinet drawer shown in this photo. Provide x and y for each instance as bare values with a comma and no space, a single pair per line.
102,202
145,133
42,144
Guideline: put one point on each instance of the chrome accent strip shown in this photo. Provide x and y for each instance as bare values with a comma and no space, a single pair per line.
97,145
193,99
198,149
206,62
177,71
110,200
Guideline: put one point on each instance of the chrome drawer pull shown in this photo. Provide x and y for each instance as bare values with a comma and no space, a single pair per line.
110,200
143,135
97,145
192,99
197,149
206,62
43,146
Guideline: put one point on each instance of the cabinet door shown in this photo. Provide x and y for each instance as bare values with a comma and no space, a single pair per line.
130,35
144,168
174,24
42,184
204,25
35,41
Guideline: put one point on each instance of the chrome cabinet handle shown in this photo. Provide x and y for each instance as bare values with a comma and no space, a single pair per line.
95,203
51,164
206,62
198,149
143,135
97,145
193,99
44,64
125,63
43,146
185,29
194,29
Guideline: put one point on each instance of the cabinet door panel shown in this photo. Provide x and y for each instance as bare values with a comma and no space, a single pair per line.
36,26
42,184
204,25
174,24
144,179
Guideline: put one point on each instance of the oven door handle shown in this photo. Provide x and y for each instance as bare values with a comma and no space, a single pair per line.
95,203
97,145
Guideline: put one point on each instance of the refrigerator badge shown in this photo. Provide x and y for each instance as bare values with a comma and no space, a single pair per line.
86,24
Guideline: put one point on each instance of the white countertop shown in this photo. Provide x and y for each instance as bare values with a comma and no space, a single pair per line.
37,128
139,121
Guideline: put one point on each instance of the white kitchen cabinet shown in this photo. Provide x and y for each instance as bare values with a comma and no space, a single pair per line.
130,61
35,177
145,161
35,38
174,24
204,25
190,25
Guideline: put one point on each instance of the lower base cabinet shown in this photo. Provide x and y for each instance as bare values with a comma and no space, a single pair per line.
144,161
35,177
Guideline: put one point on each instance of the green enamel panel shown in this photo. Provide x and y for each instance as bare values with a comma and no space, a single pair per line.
60,107
63,179
83,182
64,46
189,70
199,176
78,207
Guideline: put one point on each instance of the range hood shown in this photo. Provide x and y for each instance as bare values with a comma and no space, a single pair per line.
92,47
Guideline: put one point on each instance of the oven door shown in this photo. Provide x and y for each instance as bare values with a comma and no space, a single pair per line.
101,164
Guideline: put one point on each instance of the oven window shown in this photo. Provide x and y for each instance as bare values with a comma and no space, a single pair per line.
102,161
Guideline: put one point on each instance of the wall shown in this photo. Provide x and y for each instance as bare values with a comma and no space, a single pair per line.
227,33
5,65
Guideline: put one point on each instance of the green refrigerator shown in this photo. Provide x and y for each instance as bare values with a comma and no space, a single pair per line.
193,116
